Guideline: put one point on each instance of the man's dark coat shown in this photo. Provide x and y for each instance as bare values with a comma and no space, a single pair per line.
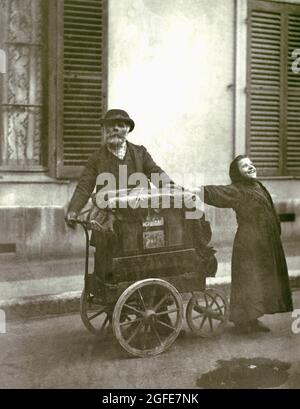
99,163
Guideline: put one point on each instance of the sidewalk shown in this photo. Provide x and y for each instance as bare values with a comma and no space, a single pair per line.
34,288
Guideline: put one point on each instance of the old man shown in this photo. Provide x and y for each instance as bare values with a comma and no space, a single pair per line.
115,155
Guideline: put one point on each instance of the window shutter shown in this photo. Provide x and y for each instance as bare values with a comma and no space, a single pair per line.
293,98
264,91
273,98
84,83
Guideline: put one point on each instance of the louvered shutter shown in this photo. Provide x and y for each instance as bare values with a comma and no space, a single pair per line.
84,83
293,99
264,90
273,100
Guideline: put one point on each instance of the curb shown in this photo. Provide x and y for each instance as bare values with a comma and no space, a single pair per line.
68,302
34,307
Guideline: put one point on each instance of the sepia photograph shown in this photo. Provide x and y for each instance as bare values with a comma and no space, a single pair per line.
149,197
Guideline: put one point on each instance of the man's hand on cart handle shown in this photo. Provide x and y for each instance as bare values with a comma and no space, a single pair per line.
70,219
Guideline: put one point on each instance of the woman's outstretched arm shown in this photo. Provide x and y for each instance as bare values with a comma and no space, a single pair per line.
221,195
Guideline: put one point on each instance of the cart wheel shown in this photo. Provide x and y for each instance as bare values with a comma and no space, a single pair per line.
207,313
95,315
147,317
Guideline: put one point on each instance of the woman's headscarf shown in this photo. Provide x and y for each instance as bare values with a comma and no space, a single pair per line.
234,172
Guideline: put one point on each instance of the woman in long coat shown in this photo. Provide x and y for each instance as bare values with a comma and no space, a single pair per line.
260,283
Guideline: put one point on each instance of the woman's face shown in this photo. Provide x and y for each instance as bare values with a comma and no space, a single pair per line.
246,168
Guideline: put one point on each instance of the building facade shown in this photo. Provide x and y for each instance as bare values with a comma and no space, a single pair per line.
203,80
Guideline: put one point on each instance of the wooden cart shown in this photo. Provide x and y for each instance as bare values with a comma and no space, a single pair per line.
153,261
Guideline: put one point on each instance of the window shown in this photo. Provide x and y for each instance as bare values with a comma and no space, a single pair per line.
54,92
23,136
80,83
273,89
84,83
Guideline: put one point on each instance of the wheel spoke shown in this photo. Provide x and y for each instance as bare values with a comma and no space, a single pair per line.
104,323
133,309
203,321
162,312
219,308
144,338
174,310
122,324
156,333
197,316
167,312
142,299
152,297
165,325
161,302
135,332
213,300
96,315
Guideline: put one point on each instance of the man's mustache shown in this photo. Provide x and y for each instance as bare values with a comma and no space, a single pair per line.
115,136
115,140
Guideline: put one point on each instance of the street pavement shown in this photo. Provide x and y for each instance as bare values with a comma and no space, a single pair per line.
58,352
